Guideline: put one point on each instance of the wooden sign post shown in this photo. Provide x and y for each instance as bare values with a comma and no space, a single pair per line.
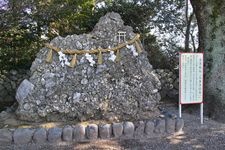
191,81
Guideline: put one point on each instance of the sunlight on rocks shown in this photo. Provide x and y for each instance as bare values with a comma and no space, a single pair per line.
199,146
49,125
177,138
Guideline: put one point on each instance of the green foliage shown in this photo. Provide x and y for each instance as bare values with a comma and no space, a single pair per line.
20,31
157,58
17,48
64,16
133,14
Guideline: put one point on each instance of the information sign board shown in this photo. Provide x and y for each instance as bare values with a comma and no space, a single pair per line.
191,78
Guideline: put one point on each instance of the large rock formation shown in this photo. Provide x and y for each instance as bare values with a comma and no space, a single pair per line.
126,89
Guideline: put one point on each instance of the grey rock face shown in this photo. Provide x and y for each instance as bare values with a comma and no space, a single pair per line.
149,128
79,132
170,125
125,89
159,126
169,83
67,133
9,82
40,136
55,135
179,124
23,90
128,129
92,131
140,129
22,136
5,136
105,131
117,129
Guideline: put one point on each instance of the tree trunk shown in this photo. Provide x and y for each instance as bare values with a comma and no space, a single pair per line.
187,33
211,20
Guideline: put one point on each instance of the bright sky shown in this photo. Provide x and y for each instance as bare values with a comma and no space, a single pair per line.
2,4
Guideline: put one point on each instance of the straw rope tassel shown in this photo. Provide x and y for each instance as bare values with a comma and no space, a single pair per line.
117,55
73,61
49,56
100,57
138,47
139,41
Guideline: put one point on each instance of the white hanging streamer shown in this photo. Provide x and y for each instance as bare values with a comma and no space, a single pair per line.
112,55
90,59
82,60
63,59
133,49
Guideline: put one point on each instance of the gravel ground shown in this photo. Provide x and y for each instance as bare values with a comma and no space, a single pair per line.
210,135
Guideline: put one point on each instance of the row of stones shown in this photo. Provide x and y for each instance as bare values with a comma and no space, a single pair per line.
81,132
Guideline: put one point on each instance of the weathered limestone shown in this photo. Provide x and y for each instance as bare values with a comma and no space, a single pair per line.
5,136
23,90
139,129
82,133
105,131
55,134
23,136
117,129
79,132
159,126
179,124
169,83
170,125
40,135
126,89
149,128
92,131
67,134
128,129
9,82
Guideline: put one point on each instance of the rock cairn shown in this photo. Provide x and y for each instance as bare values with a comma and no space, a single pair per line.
9,82
125,89
169,83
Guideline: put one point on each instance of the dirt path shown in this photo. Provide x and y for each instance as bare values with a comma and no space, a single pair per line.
209,136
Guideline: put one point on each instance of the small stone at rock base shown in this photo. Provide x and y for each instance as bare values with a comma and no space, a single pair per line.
139,129
170,125
92,131
149,128
54,134
179,124
105,131
67,133
79,132
159,126
117,129
23,136
40,135
128,129
5,136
